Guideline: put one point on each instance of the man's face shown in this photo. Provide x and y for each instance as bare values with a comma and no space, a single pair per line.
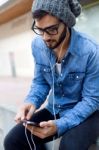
51,30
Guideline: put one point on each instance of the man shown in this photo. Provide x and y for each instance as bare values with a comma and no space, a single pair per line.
67,71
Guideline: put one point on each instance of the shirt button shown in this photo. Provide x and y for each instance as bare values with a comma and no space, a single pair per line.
44,69
59,106
63,60
63,95
61,75
77,77
60,85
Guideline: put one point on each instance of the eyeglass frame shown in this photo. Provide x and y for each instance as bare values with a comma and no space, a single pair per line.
45,29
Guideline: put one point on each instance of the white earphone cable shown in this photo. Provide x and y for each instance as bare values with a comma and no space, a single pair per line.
28,139
53,88
53,95
33,140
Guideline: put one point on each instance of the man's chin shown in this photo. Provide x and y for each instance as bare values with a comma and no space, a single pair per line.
51,46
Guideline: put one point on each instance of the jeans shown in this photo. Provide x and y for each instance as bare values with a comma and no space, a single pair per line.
77,138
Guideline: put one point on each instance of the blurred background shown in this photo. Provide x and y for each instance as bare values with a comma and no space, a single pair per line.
16,62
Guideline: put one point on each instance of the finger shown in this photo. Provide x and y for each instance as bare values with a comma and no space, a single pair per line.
20,116
38,134
37,131
17,118
34,129
46,123
29,127
43,124
30,113
50,123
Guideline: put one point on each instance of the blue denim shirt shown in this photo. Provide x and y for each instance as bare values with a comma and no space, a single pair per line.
75,92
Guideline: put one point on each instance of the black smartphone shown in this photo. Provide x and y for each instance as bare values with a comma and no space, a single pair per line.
31,123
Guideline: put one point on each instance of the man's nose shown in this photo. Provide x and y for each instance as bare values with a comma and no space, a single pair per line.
46,36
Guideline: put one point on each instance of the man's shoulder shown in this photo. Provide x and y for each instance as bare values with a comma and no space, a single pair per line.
39,50
86,43
38,42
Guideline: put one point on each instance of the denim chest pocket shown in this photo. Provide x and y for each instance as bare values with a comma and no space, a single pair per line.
46,71
76,76
73,84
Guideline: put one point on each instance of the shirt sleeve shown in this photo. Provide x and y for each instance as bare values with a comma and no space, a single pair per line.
39,87
90,97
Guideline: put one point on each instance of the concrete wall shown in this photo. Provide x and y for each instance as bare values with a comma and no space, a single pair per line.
88,22
15,47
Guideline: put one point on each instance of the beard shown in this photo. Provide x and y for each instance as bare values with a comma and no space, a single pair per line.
52,44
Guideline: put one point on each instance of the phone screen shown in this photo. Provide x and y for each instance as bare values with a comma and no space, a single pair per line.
31,123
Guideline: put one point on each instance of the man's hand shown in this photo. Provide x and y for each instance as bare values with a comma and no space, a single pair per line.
25,112
45,130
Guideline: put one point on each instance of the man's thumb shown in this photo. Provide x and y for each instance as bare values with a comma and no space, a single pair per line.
30,113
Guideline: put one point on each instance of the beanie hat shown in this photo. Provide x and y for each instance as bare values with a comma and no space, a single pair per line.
65,10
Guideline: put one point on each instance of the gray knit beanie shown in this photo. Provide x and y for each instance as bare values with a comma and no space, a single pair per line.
65,10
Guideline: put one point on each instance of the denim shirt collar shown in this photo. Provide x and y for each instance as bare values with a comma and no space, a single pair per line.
73,42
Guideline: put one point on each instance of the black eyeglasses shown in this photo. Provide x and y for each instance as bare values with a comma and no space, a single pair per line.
51,30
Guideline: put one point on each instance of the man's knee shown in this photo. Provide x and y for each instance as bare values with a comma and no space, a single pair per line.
69,144
13,138
72,141
8,140
65,144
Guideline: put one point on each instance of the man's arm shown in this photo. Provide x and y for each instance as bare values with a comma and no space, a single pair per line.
39,87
